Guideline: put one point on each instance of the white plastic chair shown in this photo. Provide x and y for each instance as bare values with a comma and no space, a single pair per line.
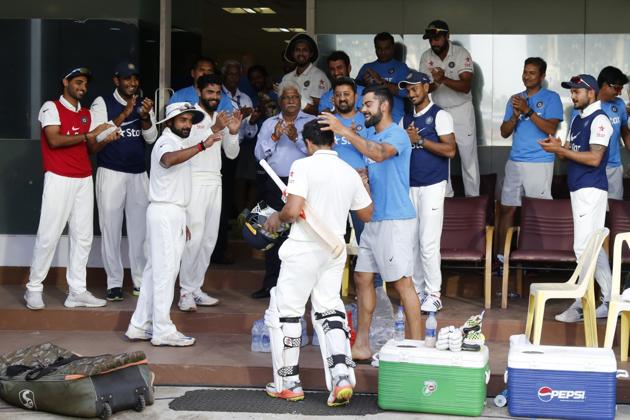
617,306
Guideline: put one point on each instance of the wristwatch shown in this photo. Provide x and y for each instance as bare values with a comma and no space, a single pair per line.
420,143
529,113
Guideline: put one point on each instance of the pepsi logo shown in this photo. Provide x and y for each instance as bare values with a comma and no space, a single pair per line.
546,394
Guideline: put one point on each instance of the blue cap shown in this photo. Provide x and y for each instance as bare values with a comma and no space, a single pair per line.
582,81
414,78
126,69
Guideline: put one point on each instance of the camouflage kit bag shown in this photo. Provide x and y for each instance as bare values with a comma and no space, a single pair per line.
49,378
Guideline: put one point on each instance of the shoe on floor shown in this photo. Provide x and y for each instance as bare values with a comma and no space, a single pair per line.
261,294
174,339
114,294
187,303
602,310
136,291
85,300
625,296
34,300
293,392
573,313
341,392
432,303
204,299
137,334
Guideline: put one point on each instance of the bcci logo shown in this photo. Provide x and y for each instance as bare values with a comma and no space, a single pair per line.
429,120
84,120
429,388
358,128
546,394
451,65
391,71
27,399
539,104
614,109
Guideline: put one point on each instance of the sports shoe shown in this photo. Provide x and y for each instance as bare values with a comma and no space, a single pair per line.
293,392
473,323
341,392
602,310
572,314
432,303
174,339
114,294
203,299
85,300
473,341
137,334
187,303
34,300
136,291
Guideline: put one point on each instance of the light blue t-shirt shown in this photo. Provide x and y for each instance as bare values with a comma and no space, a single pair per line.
326,101
525,147
346,151
393,71
189,94
389,180
618,116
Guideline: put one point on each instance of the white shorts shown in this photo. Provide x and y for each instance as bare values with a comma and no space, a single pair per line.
529,179
615,182
387,248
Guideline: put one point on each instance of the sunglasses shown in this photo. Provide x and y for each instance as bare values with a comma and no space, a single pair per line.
436,30
615,86
79,70
578,80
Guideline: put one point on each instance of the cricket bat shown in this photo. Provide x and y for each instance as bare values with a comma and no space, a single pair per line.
321,230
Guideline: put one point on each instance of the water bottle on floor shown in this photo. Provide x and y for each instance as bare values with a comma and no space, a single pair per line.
382,329
265,345
256,335
430,330
399,324
304,332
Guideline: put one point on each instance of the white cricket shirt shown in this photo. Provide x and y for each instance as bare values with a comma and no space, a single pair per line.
456,62
169,185
312,82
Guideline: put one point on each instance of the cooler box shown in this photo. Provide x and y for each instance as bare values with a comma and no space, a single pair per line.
561,382
415,378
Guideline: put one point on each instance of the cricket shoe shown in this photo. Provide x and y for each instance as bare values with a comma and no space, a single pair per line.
293,392
473,323
572,314
341,392
473,341
431,303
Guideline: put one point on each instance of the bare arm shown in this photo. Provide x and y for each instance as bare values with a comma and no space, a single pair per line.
625,136
446,147
169,159
462,85
548,127
591,158
57,140
365,214
507,127
290,213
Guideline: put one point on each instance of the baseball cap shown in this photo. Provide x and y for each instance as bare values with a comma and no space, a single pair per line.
79,71
178,108
414,78
435,28
126,69
581,81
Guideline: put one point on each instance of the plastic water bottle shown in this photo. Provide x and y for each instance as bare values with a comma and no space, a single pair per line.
315,340
430,330
256,335
501,399
265,345
399,325
304,332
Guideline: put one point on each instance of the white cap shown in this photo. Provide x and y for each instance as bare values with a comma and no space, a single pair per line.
177,108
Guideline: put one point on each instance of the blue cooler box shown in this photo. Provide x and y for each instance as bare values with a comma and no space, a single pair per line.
561,382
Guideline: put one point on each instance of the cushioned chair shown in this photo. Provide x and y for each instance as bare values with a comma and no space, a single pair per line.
560,187
487,186
545,235
579,286
466,237
617,306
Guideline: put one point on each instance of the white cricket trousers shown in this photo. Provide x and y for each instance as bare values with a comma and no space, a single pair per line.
166,237
117,193
588,206
429,204
203,217
466,139
64,200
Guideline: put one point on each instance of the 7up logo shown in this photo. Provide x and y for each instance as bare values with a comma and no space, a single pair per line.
429,388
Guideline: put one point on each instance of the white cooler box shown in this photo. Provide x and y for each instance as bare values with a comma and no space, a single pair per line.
560,381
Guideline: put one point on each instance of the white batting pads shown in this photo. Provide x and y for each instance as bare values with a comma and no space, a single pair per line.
334,342
285,339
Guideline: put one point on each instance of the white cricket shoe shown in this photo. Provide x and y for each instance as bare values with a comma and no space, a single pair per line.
187,303
572,314
34,300
137,334
174,339
85,300
431,303
204,299
602,310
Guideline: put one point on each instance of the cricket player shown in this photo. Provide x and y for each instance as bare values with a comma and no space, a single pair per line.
170,188
587,155
308,269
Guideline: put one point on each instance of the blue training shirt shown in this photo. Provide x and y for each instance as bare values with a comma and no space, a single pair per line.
525,148
579,175
345,150
393,71
326,101
618,116
389,180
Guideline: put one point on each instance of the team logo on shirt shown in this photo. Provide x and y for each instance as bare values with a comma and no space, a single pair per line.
391,71
429,120
84,120
307,83
539,104
358,128
451,64
614,108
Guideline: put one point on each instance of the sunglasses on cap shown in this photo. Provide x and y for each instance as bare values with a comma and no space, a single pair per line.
79,71
578,80
615,86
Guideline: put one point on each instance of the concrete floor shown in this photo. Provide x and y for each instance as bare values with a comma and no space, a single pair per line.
165,394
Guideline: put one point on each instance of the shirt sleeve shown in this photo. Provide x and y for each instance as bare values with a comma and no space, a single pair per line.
624,114
423,66
264,145
554,109
361,197
443,123
150,135
361,75
165,145
98,111
48,114
230,144
465,63
509,111
601,130
325,102
298,180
